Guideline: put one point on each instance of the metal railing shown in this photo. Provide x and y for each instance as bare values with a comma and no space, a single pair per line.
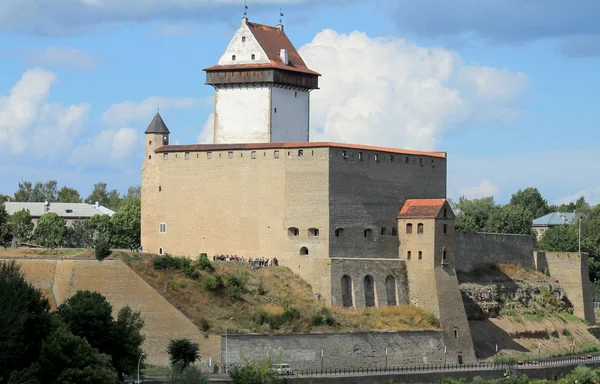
491,366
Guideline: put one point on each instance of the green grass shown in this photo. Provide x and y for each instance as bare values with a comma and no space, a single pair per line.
153,370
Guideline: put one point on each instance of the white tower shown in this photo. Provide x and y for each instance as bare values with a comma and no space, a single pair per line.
262,88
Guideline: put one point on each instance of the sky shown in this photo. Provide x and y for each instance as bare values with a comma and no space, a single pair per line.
509,89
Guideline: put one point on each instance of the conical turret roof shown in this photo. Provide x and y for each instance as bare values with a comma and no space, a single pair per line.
157,125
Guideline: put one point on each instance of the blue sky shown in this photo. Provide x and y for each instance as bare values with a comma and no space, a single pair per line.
508,88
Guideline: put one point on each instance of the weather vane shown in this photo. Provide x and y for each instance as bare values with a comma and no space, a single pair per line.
245,9
280,16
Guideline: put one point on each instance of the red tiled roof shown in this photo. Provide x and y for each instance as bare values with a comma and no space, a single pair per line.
224,147
421,208
272,40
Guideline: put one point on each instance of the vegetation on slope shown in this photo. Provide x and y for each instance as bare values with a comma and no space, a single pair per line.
263,300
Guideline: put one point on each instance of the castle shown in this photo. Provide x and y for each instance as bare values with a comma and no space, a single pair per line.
365,226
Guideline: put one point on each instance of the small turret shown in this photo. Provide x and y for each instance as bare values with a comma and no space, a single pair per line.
157,135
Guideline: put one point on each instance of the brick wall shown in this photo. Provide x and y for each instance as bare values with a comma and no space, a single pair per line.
340,350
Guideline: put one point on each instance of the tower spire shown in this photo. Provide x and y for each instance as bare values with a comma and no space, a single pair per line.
280,16
245,8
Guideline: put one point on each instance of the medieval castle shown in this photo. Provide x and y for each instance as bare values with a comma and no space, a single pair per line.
365,226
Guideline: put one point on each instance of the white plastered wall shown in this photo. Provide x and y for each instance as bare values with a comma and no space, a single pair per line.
243,50
290,122
242,114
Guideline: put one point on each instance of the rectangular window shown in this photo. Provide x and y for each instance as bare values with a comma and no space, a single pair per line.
300,152
391,157
209,155
187,155
376,157
253,155
420,255
445,228
276,154
359,155
230,155
408,255
162,228
165,156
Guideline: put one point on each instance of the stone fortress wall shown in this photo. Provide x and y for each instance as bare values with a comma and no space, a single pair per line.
121,286
340,350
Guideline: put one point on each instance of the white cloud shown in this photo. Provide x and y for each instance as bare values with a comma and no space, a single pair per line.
388,91
208,131
173,30
485,189
128,112
111,145
29,123
59,58
592,196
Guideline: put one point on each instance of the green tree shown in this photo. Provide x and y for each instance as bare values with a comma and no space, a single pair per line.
474,215
89,315
257,372
4,226
24,322
102,228
188,375
102,250
50,230
530,199
79,235
511,219
4,198
102,195
562,238
183,352
69,359
128,339
68,195
126,224
21,225
24,192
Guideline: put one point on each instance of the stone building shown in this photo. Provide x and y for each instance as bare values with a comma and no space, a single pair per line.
331,212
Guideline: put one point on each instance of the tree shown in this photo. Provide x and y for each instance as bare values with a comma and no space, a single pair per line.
67,358
21,225
182,351
257,372
128,339
102,228
68,195
25,320
511,219
4,226
531,200
99,194
4,198
23,194
102,250
50,230
89,315
474,215
79,235
562,238
188,375
126,226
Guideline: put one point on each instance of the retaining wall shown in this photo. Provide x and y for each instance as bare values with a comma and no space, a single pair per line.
476,249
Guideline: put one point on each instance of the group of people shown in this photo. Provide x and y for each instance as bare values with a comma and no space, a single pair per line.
257,261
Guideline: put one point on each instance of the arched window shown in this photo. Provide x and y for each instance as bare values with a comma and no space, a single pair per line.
160,251
303,251
150,142
444,256
232,57
293,232
368,232
339,232
408,254
420,255
420,228
313,232
369,291
149,157
347,296
390,290
253,56
383,231
394,231
243,39
409,228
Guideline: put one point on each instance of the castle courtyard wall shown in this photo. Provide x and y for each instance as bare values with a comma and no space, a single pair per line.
340,350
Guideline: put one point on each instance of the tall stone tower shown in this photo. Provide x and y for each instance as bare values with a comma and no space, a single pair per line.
157,135
426,231
262,88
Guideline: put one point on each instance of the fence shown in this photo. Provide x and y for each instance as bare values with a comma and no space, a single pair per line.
507,366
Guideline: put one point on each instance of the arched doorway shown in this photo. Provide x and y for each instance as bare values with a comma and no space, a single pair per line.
369,291
347,299
390,290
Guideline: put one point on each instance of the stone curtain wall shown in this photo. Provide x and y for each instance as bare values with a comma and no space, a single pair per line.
340,350
571,270
477,249
121,286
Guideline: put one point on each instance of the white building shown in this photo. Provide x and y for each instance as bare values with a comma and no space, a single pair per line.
69,211
262,88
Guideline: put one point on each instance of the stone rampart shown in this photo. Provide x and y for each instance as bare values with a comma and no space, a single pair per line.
477,249
340,350
121,286
571,271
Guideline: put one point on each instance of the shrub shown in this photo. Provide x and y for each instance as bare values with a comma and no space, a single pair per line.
182,352
191,273
212,283
188,375
432,320
102,250
236,285
165,261
323,317
203,263
204,326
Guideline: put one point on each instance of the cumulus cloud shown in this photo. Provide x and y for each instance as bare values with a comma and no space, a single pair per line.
485,189
592,196
28,123
110,145
63,17
131,111
207,134
59,58
391,92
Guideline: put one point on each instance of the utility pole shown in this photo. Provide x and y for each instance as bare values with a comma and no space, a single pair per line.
226,352
580,217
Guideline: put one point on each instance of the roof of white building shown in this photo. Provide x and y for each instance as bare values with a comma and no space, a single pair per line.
554,218
65,210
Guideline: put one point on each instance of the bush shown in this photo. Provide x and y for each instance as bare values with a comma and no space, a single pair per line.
323,317
204,326
165,261
203,263
182,352
432,320
191,273
188,375
212,283
253,372
236,285
102,250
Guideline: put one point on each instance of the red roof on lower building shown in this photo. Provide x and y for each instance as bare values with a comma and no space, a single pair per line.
421,208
